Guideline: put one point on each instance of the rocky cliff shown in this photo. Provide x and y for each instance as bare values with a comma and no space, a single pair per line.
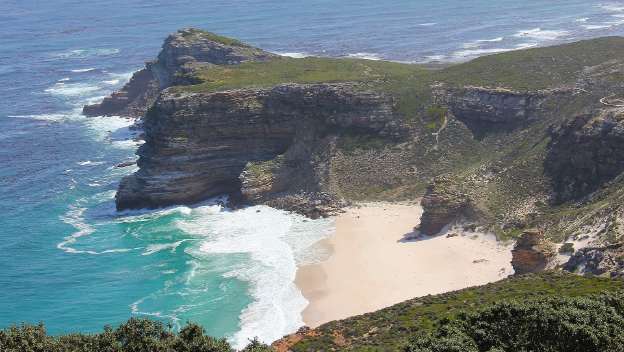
443,204
532,253
182,52
205,144
585,153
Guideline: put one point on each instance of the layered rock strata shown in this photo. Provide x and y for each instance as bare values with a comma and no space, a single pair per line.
490,109
532,253
198,145
442,204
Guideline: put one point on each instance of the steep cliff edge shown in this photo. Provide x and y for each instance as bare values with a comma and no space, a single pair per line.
199,144
585,153
182,52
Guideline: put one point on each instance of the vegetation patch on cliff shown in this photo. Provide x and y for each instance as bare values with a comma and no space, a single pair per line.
193,34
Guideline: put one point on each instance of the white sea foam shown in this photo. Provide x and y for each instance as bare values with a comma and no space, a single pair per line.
102,127
123,76
89,162
612,7
275,242
582,20
83,53
65,79
82,70
155,248
367,56
597,26
74,217
541,34
73,115
296,55
480,42
466,54
112,82
428,24
72,89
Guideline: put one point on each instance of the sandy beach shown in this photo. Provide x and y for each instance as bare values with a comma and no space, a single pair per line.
373,265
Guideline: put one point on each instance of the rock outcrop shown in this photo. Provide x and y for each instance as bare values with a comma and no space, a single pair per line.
532,253
484,109
442,204
585,153
599,261
181,53
206,144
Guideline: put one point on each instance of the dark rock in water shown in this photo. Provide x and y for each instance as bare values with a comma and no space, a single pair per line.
256,142
132,100
181,53
125,164
602,260
585,153
532,253
442,204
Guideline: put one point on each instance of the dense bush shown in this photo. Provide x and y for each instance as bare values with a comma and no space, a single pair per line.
594,323
136,335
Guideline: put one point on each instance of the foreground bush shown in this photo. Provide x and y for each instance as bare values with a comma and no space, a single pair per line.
136,335
594,323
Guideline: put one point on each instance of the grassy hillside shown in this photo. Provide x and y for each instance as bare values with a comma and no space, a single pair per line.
391,328
537,68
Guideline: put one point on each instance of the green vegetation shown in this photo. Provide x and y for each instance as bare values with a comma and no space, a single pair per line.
434,117
537,68
350,142
593,323
197,34
136,335
292,70
391,328
567,248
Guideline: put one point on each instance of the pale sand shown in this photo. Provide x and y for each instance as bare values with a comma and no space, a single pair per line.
373,267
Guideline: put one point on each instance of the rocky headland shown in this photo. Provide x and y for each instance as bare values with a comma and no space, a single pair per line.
510,142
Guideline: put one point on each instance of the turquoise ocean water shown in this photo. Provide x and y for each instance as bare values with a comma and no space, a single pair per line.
70,260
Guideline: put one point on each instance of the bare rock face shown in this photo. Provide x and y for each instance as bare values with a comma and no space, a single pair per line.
442,204
585,153
532,253
206,144
601,260
180,54
485,109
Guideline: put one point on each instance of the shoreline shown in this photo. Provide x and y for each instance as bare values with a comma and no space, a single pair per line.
376,263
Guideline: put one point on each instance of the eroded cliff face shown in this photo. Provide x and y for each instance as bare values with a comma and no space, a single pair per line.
532,253
182,52
204,144
585,153
443,204
485,110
